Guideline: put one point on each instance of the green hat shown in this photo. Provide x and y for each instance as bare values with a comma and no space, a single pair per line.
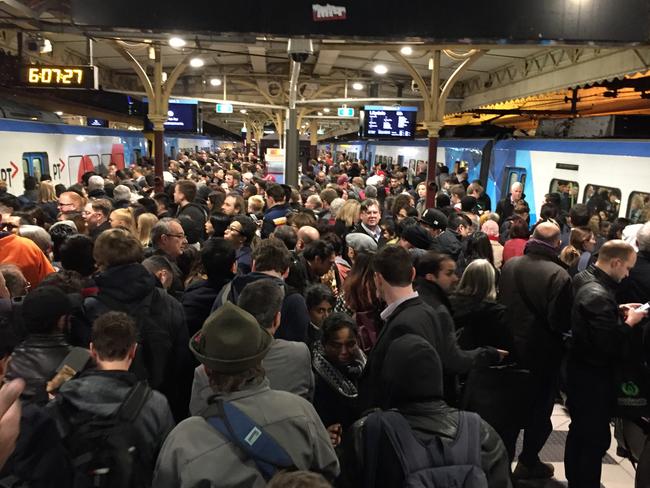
231,341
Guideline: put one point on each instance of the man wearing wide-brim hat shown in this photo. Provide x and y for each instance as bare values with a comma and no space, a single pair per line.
231,346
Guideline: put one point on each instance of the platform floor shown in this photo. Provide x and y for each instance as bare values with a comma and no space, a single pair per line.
617,472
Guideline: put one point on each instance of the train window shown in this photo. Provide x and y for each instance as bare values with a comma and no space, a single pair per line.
638,207
568,191
605,200
106,159
36,164
512,179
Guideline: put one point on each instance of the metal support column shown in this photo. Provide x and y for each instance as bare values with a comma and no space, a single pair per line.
292,138
313,140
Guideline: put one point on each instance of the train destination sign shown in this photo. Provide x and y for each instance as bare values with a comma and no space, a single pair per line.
84,77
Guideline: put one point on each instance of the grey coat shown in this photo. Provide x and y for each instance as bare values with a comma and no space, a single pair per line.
195,454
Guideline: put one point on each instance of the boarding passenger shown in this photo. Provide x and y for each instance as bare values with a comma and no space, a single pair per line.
506,206
536,312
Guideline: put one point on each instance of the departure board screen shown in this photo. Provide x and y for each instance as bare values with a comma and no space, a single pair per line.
60,76
389,121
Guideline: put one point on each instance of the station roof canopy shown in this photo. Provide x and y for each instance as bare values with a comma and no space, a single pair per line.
532,53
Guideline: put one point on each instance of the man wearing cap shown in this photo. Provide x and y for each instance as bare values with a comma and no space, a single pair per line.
231,346
46,312
359,243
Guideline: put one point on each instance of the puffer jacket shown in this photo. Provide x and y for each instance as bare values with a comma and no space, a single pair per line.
35,360
599,335
428,420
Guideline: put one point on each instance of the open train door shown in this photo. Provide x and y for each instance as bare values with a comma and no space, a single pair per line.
36,164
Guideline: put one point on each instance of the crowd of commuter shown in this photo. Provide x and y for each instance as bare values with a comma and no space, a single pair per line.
234,331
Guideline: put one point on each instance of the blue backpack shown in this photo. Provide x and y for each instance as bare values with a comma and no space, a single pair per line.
440,463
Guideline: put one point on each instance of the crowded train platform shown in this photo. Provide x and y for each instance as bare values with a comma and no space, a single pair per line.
231,330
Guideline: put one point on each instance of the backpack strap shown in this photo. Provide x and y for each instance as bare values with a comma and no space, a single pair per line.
410,452
256,444
134,402
466,447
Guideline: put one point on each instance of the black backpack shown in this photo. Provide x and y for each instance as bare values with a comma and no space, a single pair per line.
105,451
154,340
440,463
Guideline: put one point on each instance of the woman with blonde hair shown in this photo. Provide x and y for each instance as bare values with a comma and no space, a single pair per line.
47,199
123,218
347,217
578,254
146,221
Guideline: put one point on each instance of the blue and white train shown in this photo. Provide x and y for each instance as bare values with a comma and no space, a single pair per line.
65,152
620,166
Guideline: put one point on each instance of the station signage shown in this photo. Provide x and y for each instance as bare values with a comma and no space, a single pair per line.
224,108
346,112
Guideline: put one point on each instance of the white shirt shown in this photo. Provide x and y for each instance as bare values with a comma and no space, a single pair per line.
387,312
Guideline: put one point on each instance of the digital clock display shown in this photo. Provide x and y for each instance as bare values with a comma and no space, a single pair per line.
60,76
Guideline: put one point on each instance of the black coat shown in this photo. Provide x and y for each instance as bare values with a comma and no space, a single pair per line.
451,243
198,300
358,228
505,208
432,294
480,323
546,284
636,287
416,317
599,335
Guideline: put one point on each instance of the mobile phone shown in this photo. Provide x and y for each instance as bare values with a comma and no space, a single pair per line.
643,307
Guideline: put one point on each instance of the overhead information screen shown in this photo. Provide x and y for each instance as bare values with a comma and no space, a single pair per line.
388,122
182,116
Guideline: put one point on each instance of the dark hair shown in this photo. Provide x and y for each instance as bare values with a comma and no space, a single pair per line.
76,254
457,219
59,234
66,281
431,263
276,192
216,198
157,263
271,255
318,249
317,293
617,228
220,222
248,227
548,211
442,200
580,215
218,256
162,199
30,183
335,322
518,228
263,300
392,263
187,188
479,247
359,288
113,334
149,205
367,203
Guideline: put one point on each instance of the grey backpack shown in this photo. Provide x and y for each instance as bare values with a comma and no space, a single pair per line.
440,463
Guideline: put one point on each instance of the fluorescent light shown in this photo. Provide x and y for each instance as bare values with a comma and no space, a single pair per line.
176,42
152,52
320,114
59,113
326,110
196,62
357,86
242,110
215,81
406,50
164,76
380,69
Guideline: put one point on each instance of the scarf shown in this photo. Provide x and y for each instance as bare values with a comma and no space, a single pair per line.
335,378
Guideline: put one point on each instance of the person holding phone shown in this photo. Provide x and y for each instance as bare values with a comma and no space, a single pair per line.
600,331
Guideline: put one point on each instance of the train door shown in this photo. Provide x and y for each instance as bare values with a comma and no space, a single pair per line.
36,164
512,175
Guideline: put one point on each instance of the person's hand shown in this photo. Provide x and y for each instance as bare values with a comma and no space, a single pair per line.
631,315
335,431
503,354
9,417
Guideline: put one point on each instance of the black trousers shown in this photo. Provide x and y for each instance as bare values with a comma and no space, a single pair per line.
590,399
537,423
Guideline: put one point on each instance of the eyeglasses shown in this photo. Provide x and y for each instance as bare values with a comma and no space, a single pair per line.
180,236
233,229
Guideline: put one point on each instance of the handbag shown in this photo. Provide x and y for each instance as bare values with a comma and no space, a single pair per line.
501,395
633,390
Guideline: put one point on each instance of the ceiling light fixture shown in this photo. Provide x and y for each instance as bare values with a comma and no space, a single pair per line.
196,62
380,69
326,110
176,42
215,81
357,86
320,114
242,111
406,50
